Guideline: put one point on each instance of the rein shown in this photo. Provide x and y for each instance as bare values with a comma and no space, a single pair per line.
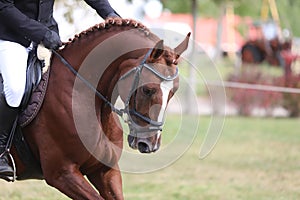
71,68
126,113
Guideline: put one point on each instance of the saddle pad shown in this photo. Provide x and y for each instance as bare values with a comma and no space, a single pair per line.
35,101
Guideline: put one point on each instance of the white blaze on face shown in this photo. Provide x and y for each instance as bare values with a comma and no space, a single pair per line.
165,87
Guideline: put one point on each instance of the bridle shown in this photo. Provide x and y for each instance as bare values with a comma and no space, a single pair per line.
152,124
126,112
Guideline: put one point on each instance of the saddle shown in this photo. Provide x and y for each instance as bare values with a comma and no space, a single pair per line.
36,84
37,76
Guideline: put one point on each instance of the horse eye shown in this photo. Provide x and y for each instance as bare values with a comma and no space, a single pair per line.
148,91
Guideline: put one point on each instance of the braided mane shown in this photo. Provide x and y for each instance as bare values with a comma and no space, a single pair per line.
113,22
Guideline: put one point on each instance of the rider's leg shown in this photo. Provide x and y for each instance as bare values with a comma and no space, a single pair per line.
7,117
13,63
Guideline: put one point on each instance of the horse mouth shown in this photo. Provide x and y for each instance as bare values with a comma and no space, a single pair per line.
144,145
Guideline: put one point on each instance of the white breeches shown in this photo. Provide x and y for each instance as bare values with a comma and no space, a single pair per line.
13,64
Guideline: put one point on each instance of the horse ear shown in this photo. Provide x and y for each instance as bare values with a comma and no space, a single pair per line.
182,46
157,50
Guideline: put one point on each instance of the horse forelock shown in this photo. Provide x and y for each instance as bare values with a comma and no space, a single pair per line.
170,56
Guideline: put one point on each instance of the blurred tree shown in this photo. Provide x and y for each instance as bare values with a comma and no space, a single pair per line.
177,6
288,10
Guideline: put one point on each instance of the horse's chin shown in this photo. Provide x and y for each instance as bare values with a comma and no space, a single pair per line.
144,145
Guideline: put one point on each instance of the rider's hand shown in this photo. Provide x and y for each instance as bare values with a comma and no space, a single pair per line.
51,40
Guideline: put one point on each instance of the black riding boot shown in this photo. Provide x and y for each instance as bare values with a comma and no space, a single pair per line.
7,118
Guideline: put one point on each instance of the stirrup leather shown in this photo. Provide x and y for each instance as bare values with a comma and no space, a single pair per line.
8,154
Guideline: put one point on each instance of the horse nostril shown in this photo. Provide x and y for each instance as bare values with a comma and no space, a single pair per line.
131,141
143,147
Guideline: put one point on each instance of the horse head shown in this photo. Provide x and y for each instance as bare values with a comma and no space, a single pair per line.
146,85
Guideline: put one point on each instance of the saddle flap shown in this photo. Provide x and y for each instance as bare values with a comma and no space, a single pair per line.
33,76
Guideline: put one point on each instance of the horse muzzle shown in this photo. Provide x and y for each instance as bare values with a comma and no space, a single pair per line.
145,144
144,138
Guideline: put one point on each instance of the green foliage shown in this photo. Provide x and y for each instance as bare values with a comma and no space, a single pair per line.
289,15
243,8
177,6
288,10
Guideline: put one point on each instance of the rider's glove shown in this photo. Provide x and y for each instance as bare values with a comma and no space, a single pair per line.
113,15
51,40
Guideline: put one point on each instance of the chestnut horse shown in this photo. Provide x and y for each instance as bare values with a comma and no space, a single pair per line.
77,131
258,51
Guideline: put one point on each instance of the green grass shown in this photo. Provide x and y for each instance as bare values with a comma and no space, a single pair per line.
255,158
